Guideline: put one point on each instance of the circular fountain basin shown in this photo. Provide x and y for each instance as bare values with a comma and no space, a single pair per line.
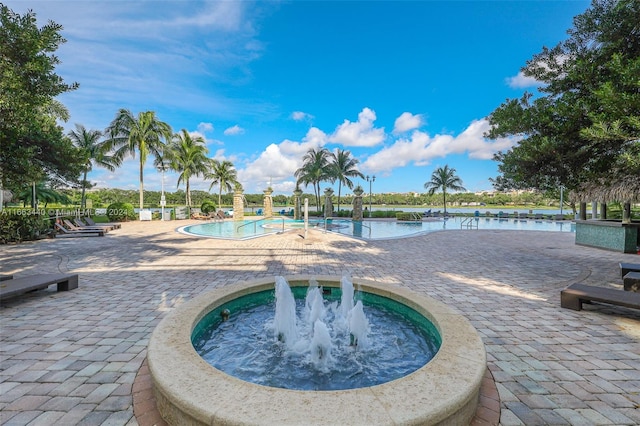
190,391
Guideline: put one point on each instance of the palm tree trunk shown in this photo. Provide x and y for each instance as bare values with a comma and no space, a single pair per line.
339,190
188,194
84,186
220,197
141,185
444,197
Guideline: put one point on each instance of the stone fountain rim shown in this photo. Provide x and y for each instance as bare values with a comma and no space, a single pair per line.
190,391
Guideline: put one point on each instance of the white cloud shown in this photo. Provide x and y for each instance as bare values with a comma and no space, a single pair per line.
407,121
361,133
278,163
300,116
521,81
205,127
421,148
234,130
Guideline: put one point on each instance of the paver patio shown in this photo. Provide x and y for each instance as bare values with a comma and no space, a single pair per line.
72,357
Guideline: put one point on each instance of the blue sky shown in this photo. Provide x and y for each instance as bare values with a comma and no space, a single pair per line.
405,86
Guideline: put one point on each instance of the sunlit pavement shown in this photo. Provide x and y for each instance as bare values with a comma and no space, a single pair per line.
72,357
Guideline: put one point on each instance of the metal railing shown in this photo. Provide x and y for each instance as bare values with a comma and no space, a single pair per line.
469,223
255,223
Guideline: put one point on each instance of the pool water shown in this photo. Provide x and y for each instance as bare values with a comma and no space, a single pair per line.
370,229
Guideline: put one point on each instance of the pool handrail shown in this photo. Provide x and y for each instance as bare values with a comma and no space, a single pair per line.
326,219
255,222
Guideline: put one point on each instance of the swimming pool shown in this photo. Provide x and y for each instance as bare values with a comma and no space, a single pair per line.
369,230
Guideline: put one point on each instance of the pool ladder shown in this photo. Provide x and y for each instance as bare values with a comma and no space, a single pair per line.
469,223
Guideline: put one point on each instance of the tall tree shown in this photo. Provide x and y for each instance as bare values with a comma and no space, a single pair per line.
33,145
187,155
344,167
145,133
587,119
223,174
92,150
315,169
444,178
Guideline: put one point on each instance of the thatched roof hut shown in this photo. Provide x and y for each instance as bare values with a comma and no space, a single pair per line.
624,190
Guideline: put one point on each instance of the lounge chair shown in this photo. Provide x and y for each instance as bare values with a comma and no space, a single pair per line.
539,216
199,216
575,295
558,217
80,224
17,286
74,227
625,268
259,212
220,215
91,222
83,233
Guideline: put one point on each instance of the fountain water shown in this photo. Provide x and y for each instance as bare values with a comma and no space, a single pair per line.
285,319
443,391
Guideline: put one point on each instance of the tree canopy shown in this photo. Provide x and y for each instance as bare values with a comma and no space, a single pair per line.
585,124
33,146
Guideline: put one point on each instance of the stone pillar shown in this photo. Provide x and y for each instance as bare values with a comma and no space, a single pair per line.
238,205
328,202
268,202
603,211
297,204
357,204
583,211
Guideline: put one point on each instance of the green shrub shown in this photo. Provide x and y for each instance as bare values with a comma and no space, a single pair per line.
121,212
207,207
386,214
408,216
23,225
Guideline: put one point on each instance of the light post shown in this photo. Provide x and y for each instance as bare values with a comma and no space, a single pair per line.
561,198
370,180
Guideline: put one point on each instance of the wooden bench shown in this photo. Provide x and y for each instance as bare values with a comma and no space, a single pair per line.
631,281
625,268
17,286
575,295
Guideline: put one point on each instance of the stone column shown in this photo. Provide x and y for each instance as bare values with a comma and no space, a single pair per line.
238,205
357,204
297,204
328,202
603,211
268,202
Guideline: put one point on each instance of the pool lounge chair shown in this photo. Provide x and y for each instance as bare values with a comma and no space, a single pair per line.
114,225
80,224
72,227
85,233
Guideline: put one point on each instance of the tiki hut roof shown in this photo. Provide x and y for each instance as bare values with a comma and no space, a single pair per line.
625,190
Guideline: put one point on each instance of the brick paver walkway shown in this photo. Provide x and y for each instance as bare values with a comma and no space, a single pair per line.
72,357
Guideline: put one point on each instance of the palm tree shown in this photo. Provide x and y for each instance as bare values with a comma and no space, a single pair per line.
444,177
315,169
93,150
223,173
344,167
187,155
144,133
42,193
